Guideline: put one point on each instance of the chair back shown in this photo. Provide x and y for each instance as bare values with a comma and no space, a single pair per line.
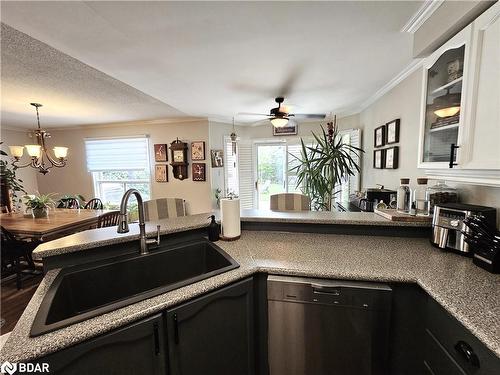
109,219
94,204
290,202
164,208
68,203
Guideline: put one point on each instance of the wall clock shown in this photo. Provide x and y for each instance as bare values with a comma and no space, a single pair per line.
179,162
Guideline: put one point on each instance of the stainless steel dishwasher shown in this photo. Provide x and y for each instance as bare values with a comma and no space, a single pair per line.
329,327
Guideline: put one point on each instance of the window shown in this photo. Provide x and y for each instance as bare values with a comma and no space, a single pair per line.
118,164
263,169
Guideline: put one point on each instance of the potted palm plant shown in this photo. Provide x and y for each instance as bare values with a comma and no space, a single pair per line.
40,204
320,168
10,185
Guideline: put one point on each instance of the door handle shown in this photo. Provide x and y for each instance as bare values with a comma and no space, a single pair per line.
453,147
467,353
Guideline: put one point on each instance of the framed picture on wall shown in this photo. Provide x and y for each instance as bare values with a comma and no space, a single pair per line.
198,150
199,172
290,129
379,136
161,173
391,157
392,132
217,158
378,159
161,154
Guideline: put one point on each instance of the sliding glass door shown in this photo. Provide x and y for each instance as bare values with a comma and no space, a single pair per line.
271,172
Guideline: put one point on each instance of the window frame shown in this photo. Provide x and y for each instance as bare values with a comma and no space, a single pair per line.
96,175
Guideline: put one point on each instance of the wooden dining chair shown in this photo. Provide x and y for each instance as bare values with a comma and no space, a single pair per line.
290,202
109,219
12,251
68,203
164,208
94,204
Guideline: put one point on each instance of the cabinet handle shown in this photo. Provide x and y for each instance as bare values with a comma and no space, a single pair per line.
157,338
453,147
176,329
467,353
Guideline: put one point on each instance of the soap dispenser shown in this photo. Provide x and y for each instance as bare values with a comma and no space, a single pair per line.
213,230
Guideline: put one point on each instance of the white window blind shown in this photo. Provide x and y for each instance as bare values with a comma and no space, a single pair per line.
231,167
355,139
247,181
115,154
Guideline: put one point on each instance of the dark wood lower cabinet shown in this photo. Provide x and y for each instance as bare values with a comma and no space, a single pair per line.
213,334
218,334
135,349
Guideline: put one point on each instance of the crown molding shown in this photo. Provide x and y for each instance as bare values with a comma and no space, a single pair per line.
16,129
422,14
160,121
409,69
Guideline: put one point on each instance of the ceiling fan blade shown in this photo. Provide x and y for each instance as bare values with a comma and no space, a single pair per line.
291,80
309,115
252,114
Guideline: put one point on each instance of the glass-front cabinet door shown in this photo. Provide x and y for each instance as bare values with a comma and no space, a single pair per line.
443,117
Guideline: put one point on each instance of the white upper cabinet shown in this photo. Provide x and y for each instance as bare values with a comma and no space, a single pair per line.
461,105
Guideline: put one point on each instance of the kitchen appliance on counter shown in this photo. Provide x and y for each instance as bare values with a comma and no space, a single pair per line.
448,225
367,200
484,242
325,327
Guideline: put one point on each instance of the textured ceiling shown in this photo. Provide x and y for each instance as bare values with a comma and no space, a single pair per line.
72,93
216,59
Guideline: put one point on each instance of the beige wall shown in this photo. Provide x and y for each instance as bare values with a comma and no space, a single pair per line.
403,102
304,129
74,178
28,174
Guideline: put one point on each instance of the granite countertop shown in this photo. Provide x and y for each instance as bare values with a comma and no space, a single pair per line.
469,293
93,238
324,217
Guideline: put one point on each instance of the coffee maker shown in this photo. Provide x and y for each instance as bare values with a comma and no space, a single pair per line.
448,225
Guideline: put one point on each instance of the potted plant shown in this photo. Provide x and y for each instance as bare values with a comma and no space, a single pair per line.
40,204
320,168
9,183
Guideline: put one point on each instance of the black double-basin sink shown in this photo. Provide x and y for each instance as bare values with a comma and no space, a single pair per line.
85,291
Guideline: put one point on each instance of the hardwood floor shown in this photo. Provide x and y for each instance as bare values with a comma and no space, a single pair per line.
15,301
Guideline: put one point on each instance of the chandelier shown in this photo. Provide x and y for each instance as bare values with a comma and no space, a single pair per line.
40,158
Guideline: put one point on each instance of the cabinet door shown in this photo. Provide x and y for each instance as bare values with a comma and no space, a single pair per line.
137,348
443,120
213,334
484,100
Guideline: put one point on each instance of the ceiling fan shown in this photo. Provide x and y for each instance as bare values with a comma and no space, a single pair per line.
279,116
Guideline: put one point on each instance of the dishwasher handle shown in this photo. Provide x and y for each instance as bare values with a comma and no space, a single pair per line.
329,290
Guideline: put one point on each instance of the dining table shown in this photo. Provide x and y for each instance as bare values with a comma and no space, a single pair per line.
58,223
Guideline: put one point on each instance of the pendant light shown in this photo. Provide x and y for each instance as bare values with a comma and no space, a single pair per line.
234,138
40,158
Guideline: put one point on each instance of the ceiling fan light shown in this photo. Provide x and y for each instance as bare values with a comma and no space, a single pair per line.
279,122
446,112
